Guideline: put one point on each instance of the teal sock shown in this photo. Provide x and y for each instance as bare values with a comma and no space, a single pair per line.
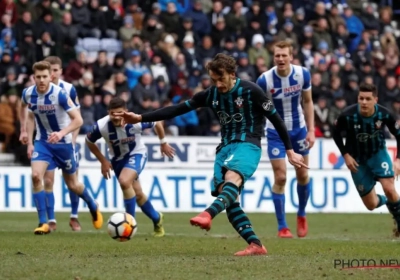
225,199
241,223
382,200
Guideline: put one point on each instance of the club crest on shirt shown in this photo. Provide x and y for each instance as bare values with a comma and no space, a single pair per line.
239,102
52,97
267,105
378,124
132,130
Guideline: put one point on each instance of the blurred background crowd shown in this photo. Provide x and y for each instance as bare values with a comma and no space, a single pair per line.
153,53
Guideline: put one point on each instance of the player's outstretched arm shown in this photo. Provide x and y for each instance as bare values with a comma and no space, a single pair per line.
23,117
308,106
198,100
338,128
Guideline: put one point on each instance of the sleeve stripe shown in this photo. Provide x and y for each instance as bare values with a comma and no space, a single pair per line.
188,104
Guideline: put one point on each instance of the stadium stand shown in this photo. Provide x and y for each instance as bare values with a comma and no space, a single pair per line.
153,53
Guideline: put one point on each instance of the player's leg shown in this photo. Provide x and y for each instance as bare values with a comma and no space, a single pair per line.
277,155
382,168
303,180
239,165
365,183
204,219
74,198
147,208
41,157
48,189
125,177
65,160
136,164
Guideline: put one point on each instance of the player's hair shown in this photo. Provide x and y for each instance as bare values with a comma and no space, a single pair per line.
116,102
54,60
284,45
368,88
41,66
222,62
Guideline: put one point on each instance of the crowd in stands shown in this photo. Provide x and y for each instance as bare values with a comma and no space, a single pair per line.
153,53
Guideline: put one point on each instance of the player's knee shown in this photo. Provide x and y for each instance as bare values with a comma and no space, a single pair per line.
48,184
125,184
36,177
302,178
280,179
233,177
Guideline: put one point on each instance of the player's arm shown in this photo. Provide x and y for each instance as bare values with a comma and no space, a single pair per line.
30,127
74,97
267,107
197,101
76,119
394,127
308,105
91,139
166,149
339,127
23,112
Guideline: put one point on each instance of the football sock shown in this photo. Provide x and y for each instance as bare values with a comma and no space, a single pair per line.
394,208
150,212
49,196
279,203
74,204
304,193
40,202
228,196
130,205
88,199
382,200
241,223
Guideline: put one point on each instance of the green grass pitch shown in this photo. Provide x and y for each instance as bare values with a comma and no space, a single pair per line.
189,253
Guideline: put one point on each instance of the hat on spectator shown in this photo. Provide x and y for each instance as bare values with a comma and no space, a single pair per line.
28,33
6,32
135,53
353,78
338,95
323,45
187,19
205,77
387,29
128,19
155,6
169,39
188,39
308,28
10,71
300,11
257,38
243,55
288,23
6,52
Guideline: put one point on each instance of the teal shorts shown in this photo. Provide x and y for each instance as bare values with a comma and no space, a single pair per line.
240,157
378,166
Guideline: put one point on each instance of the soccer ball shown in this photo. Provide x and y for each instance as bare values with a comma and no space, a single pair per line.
121,227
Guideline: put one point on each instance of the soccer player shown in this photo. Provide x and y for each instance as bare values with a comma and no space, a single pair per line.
56,117
241,107
365,150
288,84
56,72
129,157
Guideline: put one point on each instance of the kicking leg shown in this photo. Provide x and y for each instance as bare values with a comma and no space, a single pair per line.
38,170
48,189
73,221
278,196
303,192
73,184
148,210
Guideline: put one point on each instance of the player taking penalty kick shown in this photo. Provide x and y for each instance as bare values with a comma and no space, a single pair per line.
241,107
129,155
56,71
365,150
56,117
288,84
